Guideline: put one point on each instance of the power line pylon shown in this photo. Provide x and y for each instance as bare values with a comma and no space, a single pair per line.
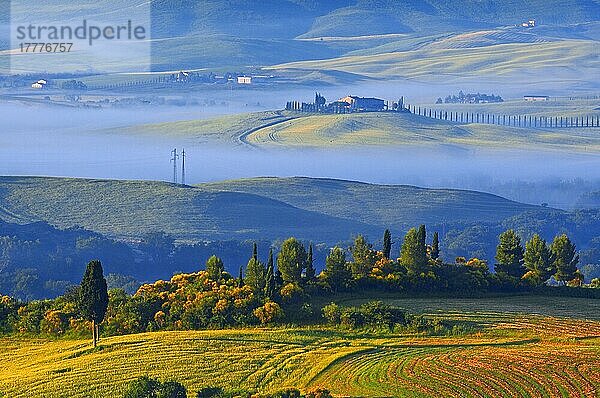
174,160
183,166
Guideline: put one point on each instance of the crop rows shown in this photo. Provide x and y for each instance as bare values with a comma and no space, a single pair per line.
519,370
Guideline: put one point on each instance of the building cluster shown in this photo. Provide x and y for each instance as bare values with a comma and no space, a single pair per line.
348,104
463,98
529,24
230,77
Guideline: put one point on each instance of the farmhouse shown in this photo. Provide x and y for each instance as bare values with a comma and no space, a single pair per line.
535,98
40,84
529,24
362,104
244,80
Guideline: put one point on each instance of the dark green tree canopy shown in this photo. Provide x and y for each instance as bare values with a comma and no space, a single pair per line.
291,260
215,268
387,243
509,255
256,274
337,274
435,246
565,258
363,256
270,282
93,294
413,254
538,260
311,272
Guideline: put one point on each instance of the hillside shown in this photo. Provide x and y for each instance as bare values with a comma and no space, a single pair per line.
239,34
512,352
134,208
287,129
321,210
400,206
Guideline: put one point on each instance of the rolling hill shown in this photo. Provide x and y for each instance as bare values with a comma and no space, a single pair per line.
265,208
288,129
237,34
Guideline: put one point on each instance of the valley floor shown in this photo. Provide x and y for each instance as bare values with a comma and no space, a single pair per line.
509,354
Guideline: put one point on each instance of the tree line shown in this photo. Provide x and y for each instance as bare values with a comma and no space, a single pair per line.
286,287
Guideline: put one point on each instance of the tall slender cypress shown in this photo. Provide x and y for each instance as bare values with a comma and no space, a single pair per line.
310,268
93,296
270,279
387,243
435,246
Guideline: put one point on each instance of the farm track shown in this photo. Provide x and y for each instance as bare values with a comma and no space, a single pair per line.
243,138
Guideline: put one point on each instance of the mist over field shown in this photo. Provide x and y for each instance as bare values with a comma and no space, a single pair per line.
79,142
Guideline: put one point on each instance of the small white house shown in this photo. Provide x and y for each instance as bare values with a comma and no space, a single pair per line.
40,84
536,98
529,24
244,80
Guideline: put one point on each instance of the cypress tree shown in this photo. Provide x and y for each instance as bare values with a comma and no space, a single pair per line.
435,247
93,296
241,277
310,268
270,278
421,246
255,252
387,243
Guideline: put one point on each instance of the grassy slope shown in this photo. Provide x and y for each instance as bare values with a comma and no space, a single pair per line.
379,204
499,60
226,129
230,34
134,208
526,355
286,129
322,210
406,129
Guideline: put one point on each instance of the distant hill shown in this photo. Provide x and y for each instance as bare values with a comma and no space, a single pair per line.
226,34
398,206
264,208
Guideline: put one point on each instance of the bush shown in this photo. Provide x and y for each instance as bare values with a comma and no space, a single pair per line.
171,389
146,387
318,393
287,393
269,312
332,313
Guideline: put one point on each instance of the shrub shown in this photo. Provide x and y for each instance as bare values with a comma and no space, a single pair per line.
269,312
146,387
318,393
332,313
171,389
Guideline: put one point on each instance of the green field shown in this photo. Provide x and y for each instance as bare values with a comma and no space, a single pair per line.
509,353
323,210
